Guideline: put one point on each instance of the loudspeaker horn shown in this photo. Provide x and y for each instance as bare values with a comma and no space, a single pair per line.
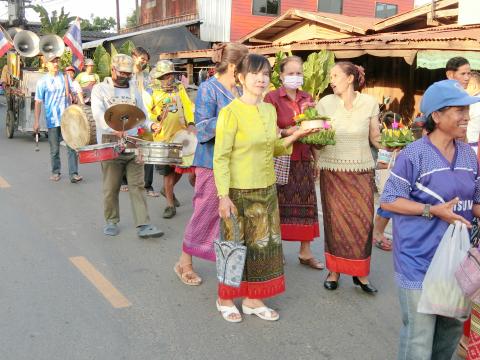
26,43
51,45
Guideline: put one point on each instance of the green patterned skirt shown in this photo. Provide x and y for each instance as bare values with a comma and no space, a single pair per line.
259,223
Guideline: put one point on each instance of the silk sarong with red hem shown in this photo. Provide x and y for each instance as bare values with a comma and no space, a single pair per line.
348,209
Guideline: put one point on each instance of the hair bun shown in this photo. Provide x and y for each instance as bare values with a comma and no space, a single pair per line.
218,52
361,76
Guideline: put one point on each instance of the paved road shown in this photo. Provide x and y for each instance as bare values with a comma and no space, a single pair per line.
50,310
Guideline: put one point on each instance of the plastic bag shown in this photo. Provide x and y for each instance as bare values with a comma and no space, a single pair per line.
441,294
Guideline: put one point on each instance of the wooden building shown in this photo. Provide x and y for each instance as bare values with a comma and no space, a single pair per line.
402,55
231,20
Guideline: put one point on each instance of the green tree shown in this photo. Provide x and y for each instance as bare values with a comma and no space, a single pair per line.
132,19
97,23
55,23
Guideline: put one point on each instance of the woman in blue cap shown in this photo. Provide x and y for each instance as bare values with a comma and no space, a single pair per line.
433,183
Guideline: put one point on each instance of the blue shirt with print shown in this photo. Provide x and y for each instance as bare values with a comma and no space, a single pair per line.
212,96
51,92
422,174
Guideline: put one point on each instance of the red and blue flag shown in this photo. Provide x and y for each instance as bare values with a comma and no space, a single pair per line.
73,39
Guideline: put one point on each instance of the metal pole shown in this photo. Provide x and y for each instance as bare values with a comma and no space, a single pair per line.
137,10
118,15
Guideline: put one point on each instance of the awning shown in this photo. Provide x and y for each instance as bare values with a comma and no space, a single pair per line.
156,41
407,55
437,59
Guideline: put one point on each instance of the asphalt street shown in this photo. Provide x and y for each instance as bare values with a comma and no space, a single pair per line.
125,302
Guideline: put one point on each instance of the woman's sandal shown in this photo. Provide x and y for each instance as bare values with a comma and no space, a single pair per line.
188,277
226,311
263,312
383,243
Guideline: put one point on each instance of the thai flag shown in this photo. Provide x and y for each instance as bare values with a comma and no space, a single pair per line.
5,44
73,39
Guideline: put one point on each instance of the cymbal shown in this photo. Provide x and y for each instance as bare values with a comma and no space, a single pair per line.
188,140
122,117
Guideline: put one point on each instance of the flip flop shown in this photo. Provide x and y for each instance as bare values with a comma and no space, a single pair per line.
148,231
313,263
152,193
226,311
263,312
76,178
383,244
188,277
55,177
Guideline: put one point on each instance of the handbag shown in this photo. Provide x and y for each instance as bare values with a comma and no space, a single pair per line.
281,166
382,175
468,274
230,256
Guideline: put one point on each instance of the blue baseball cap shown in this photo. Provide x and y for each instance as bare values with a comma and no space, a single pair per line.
445,93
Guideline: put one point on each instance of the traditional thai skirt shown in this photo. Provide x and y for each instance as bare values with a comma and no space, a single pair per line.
473,352
348,207
297,201
202,229
259,224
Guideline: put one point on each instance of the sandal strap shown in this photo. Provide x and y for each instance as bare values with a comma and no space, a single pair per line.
228,310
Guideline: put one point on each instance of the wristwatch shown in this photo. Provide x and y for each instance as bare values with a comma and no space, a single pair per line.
426,212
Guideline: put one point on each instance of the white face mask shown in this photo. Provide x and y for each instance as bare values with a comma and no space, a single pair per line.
293,81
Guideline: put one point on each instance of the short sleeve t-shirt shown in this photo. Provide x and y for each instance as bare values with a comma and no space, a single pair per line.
51,92
422,174
84,79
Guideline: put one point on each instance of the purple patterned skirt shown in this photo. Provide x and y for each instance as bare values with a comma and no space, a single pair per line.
203,227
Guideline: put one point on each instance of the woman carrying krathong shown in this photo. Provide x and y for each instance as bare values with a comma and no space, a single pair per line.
297,199
346,177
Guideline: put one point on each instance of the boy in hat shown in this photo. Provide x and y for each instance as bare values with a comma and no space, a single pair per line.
53,91
172,109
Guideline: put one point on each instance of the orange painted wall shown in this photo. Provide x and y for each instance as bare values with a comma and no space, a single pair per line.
243,22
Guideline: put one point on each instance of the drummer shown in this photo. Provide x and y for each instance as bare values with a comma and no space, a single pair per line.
119,90
172,109
52,91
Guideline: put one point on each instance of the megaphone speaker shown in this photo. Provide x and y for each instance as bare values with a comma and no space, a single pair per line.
26,43
51,45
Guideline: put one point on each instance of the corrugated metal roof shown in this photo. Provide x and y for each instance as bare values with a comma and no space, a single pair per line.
441,33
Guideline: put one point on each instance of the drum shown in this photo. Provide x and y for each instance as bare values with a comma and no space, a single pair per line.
78,126
159,153
96,153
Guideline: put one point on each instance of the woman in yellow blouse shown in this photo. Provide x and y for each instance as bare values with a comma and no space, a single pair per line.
246,142
170,106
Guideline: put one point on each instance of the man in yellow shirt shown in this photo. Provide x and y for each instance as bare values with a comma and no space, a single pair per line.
171,107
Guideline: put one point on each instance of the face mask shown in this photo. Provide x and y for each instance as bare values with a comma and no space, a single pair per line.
143,66
293,81
122,81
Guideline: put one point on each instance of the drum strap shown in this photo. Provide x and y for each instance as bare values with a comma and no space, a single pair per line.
67,89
